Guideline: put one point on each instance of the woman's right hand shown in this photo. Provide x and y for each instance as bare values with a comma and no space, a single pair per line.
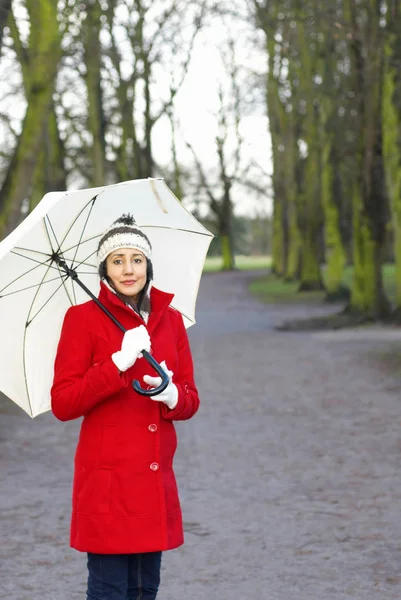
134,341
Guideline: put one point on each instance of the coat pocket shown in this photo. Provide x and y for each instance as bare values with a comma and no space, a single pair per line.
136,493
94,495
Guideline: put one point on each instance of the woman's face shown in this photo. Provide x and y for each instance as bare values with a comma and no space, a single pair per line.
126,267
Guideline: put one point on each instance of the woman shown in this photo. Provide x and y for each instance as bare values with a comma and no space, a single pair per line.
125,509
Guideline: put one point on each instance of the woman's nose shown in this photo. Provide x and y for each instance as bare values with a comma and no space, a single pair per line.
128,269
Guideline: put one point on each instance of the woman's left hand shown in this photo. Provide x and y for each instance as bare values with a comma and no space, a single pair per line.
170,395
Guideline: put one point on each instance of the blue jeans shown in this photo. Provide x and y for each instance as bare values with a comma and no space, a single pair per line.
123,576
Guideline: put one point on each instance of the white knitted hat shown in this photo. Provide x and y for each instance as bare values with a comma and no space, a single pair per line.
123,233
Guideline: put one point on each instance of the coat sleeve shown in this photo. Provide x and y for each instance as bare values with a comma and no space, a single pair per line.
188,397
78,386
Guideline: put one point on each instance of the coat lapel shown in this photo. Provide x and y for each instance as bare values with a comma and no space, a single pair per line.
159,302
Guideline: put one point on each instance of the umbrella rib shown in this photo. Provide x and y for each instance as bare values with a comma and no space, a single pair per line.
73,223
83,242
83,262
20,277
176,229
36,295
83,230
54,233
86,264
88,273
25,373
24,344
48,235
25,334
29,321
40,264
30,287
33,251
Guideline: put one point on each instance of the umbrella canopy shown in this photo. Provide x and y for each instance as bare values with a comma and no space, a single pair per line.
35,292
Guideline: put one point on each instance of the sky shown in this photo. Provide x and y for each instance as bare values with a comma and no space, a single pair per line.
196,106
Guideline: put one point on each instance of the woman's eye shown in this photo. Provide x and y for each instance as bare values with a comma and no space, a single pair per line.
138,260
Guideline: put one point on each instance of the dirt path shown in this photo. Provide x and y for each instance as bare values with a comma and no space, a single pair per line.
289,474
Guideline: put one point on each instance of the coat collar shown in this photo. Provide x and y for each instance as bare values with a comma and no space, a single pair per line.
159,302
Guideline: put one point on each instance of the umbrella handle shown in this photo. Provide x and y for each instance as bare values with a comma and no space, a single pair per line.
159,370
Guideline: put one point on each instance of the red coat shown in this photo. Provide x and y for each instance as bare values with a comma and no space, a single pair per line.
125,497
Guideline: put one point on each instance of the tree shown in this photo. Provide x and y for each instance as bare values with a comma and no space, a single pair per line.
228,147
158,37
96,126
370,198
49,172
44,55
392,133
291,105
325,86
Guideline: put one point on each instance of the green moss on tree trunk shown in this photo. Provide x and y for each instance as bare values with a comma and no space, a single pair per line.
367,294
392,161
44,55
335,254
227,253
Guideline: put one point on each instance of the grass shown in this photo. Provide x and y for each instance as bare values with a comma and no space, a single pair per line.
272,289
244,263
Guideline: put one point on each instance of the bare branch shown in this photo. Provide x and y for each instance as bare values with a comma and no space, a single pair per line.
20,50
214,203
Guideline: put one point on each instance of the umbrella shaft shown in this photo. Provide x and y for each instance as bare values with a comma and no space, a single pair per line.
100,305
74,276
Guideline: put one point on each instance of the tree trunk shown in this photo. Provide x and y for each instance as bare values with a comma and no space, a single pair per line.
227,251
367,280
147,151
280,212
292,267
50,172
44,53
392,144
309,225
335,253
309,201
96,119
370,200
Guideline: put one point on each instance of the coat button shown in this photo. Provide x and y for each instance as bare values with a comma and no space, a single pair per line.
152,427
154,466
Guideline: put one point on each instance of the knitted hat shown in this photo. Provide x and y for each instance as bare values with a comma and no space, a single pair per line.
125,233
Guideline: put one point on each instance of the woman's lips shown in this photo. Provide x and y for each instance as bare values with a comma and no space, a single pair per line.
129,282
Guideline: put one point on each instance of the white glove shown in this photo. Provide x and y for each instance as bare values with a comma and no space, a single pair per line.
134,341
170,395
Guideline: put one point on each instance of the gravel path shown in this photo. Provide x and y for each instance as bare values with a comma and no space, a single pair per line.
289,475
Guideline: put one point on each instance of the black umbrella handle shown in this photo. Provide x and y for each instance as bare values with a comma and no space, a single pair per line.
159,370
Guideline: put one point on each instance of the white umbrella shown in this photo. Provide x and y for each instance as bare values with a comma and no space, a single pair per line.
35,291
